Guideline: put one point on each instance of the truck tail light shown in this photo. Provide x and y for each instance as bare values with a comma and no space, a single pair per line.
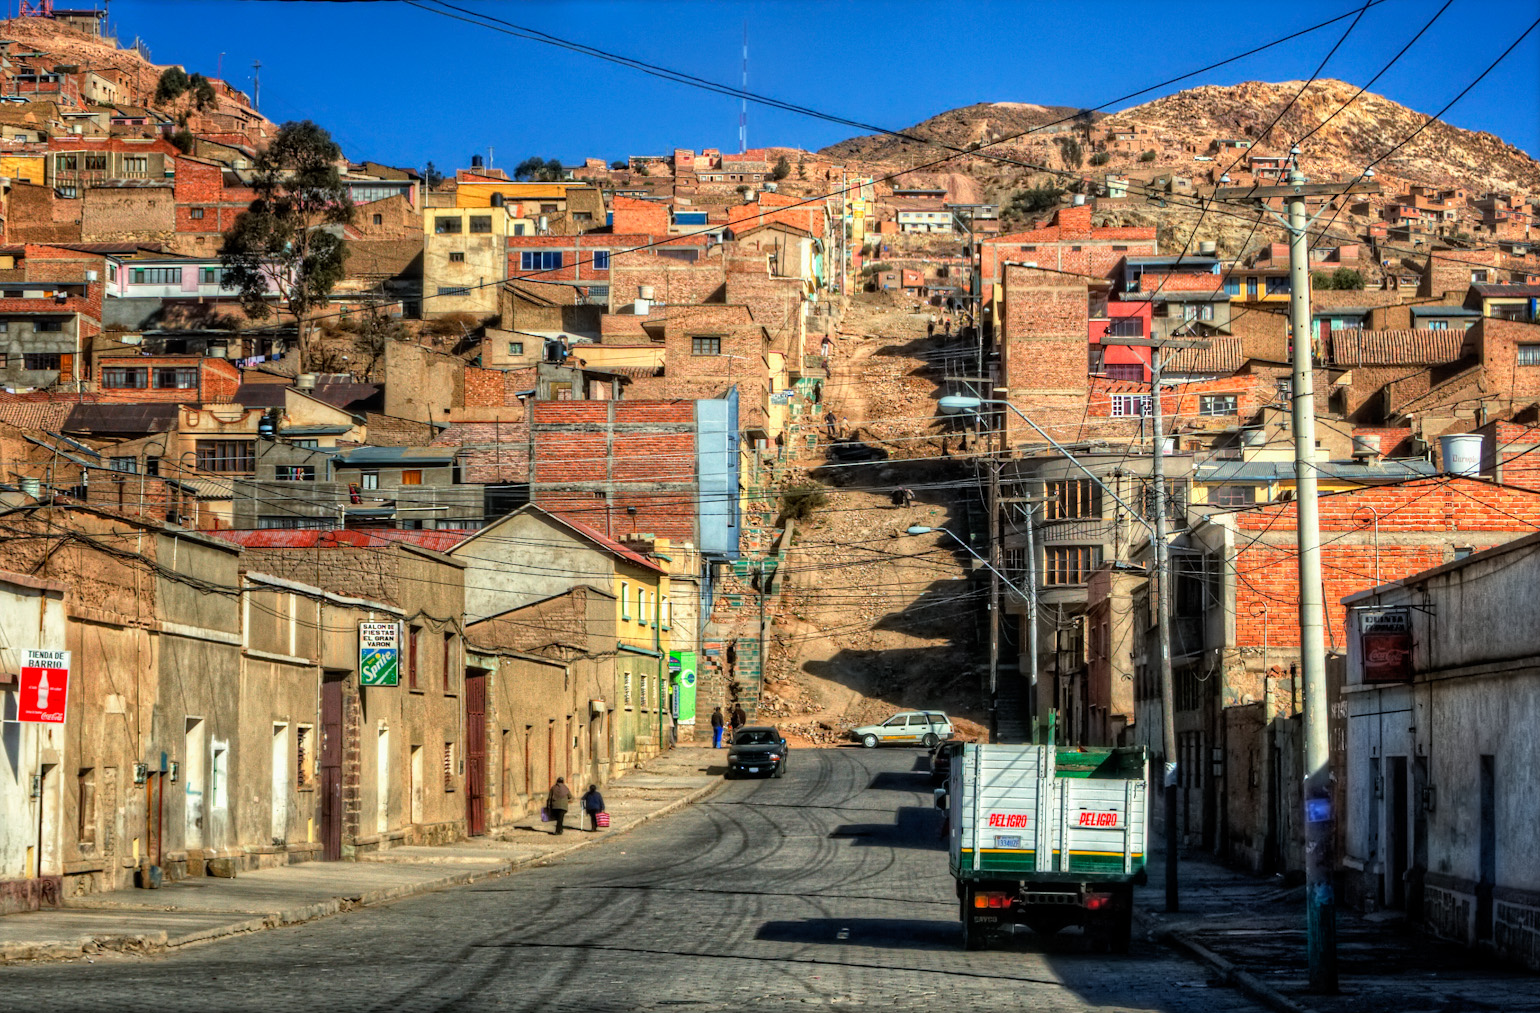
990,898
1098,901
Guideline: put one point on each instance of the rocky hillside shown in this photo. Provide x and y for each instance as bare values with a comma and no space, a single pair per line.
1180,129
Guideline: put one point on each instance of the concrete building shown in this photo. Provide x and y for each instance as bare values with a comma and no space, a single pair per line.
1440,701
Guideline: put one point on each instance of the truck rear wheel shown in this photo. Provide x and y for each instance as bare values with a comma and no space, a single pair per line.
973,936
1120,931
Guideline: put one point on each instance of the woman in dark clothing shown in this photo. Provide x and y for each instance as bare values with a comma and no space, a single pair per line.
593,805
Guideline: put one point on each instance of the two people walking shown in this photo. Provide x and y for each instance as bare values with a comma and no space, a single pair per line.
735,721
559,800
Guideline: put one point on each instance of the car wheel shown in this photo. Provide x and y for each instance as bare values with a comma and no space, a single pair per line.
930,740
727,775
780,769
869,741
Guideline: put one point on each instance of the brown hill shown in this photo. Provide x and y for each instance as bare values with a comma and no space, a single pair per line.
1180,129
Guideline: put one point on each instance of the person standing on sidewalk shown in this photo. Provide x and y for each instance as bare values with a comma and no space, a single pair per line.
716,727
593,805
558,802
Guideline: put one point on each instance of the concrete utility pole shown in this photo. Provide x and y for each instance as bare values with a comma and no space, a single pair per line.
256,85
1320,820
994,600
1162,570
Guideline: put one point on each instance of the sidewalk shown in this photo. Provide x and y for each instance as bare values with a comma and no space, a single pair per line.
199,909
1251,930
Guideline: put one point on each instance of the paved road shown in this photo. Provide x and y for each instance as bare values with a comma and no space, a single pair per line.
827,887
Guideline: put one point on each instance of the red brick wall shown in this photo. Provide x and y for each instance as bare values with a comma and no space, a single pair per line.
217,379
494,452
647,217
1498,341
1044,359
1512,453
1419,524
1069,243
674,283
490,388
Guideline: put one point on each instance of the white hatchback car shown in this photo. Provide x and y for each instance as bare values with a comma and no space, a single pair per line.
907,728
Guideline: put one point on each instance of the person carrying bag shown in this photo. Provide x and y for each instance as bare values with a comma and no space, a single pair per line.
558,802
593,804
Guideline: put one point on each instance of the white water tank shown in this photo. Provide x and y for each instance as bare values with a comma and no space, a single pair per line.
1462,453
305,382
1207,248
1366,445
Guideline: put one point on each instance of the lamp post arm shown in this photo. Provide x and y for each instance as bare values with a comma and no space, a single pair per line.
987,564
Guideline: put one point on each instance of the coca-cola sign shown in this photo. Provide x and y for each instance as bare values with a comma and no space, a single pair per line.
1385,640
45,681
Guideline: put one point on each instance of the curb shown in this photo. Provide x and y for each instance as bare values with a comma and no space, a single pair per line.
1244,981
160,941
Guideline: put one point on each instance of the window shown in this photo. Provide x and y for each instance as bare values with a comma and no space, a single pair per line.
625,600
411,476
518,228
96,163
1478,277
1438,325
1277,286
378,219
1233,496
705,346
449,766
447,225
1072,498
1197,311
1094,358
454,290
601,260
1232,286
1125,327
1217,404
1461,551
48,325
152,466
1071,564
175,378
370,194
64,163
128,465
369,479
414,634
515,348
122,378
457,257
304,767
226,455
156,276
1529,355
136,165
539,260
291,522
481,223
68,191
42,360
295,473
1125,405
1125,371
666,609
211,275
626,688
582,216
86,794
306,444
196,214
449,681
641,605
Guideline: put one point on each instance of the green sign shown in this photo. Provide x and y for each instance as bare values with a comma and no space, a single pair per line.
379,654
681,670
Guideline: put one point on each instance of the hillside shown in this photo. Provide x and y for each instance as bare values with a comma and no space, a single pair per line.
1180,129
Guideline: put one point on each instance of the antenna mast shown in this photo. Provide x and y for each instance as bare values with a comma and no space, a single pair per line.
743,112
256,85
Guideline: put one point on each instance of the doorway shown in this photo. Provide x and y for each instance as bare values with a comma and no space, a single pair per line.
417,785
331,769
382,781
1488,847
280,826
476,752
193,779
1397,810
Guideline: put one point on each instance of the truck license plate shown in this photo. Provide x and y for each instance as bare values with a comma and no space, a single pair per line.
753,770
1007,842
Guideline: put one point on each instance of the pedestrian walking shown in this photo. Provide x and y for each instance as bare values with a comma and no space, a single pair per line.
717,721
558,801
818,392
593,805
845,426
739,718
930,327
828,423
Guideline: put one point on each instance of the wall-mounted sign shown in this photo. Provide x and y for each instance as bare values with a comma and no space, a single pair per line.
1385,641
45,684
681,667
379,654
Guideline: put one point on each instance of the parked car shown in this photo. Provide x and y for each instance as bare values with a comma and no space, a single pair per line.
849,451
906,728
941,760
757,749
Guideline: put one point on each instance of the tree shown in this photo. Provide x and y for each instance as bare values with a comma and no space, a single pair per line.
1343,279
782,169
431,176
1148,156
283,241
184,140
204,96
1069,148
538,170
173,82
620,163
1026,203
1100,158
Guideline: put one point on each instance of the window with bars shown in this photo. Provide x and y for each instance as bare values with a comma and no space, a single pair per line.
1072,498
1130,405
413,638
304,766
449,671
175,378
705,346
1528,355
42,360
226,455
1233,495
129,465
449,766
1217,404
1070,564
1125,327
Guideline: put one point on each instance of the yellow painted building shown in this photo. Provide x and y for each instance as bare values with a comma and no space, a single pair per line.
24,168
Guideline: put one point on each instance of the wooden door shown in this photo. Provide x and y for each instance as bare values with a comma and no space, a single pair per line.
476,754
331,770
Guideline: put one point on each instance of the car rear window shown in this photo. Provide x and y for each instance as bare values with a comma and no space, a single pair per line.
754,738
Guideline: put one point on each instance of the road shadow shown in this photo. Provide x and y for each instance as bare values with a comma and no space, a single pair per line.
916,827
902,780
880,933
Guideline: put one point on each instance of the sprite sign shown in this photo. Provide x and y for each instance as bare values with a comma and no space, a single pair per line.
379,654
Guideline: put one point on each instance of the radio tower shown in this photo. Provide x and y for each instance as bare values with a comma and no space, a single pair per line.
743,112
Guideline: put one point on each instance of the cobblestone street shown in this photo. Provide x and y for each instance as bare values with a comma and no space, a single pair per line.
828,887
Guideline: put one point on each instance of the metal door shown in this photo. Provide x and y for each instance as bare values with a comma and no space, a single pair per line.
331,770
476,754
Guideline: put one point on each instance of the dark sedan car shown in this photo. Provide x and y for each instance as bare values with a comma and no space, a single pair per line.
941,760
758,750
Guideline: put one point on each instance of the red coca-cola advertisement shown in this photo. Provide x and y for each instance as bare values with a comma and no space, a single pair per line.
45,682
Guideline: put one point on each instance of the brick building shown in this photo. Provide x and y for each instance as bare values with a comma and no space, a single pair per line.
1066,242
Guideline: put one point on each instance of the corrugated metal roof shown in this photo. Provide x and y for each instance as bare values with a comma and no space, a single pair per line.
315,430
1444,311
336,538
399,455
143,417
1394,470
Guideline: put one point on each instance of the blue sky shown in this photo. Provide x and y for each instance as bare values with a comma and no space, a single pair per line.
401,85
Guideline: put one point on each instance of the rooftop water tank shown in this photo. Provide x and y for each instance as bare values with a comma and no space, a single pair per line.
1366,445
1462,453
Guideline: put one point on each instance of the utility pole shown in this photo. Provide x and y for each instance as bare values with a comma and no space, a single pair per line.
256,85
1162,571
994,600
1320,820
